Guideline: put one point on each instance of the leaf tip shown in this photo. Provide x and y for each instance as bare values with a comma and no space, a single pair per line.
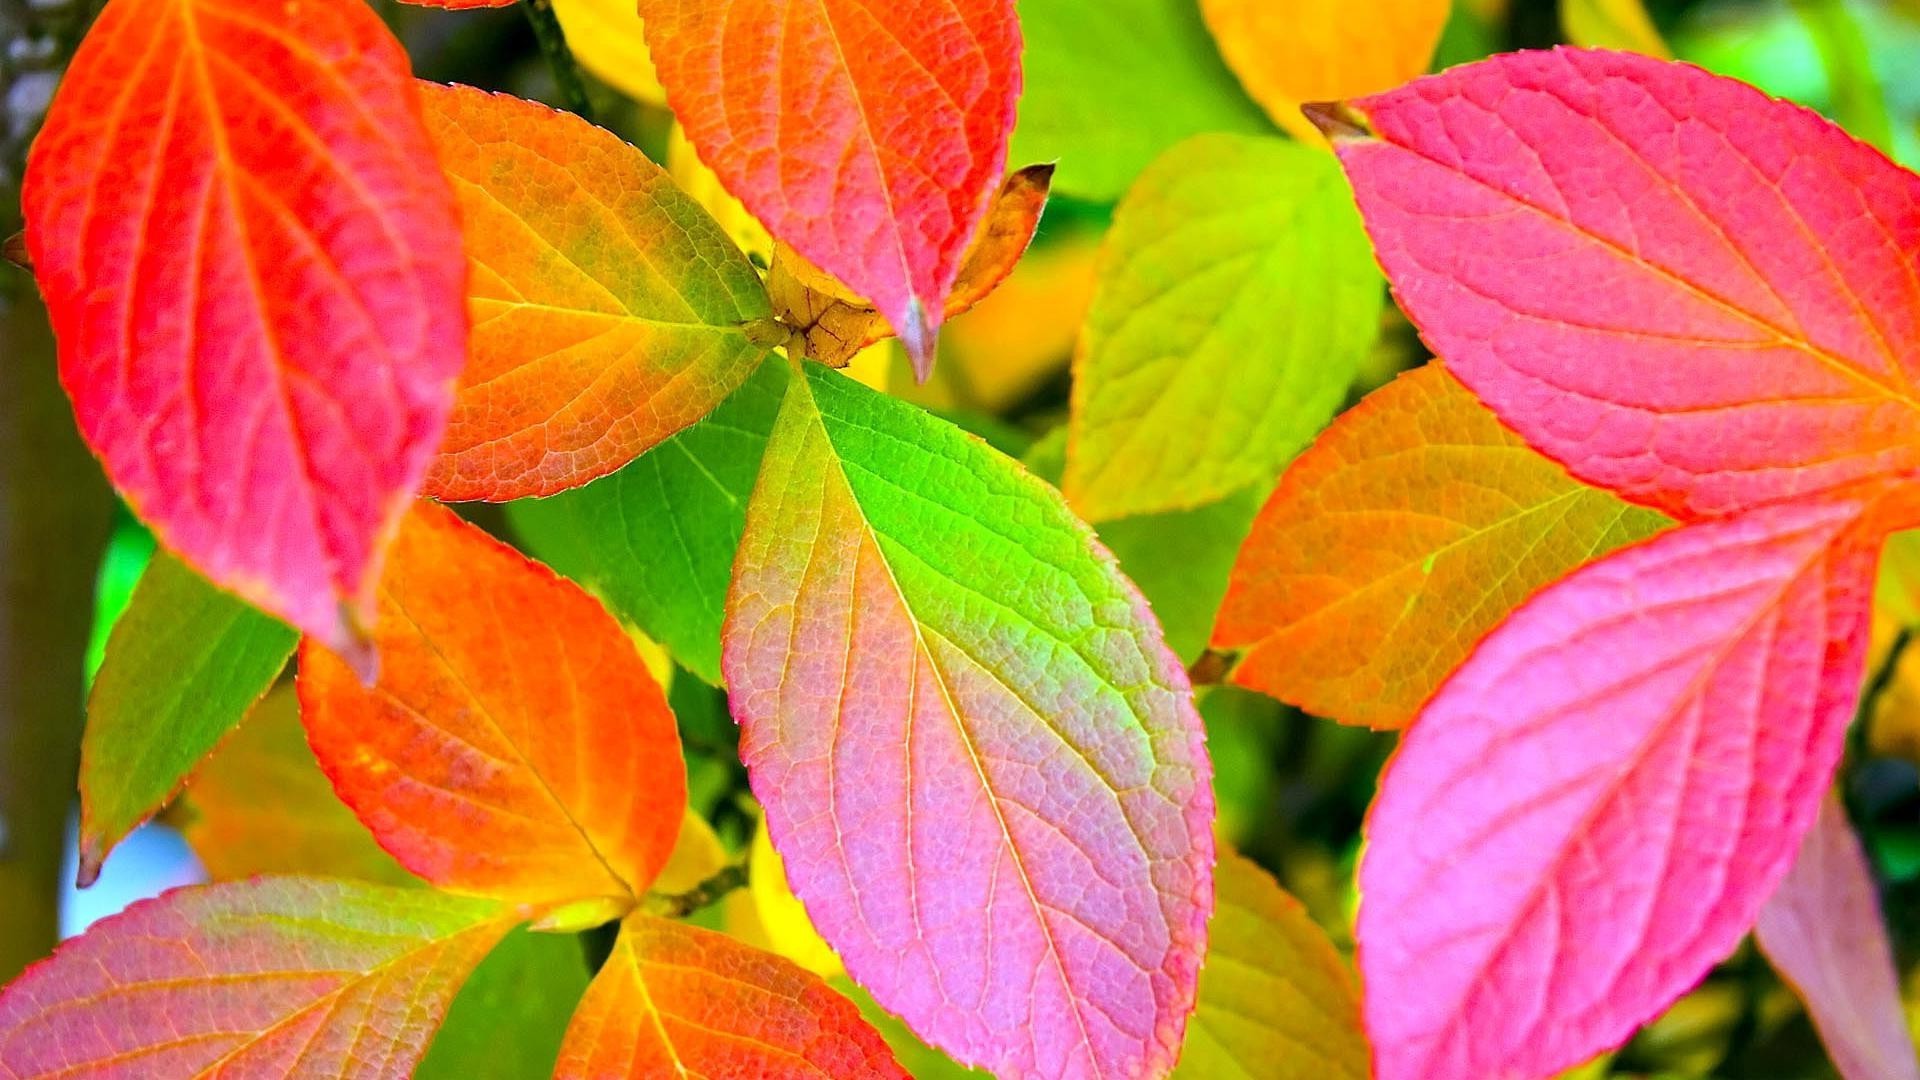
919,336
14,250
1337,120
93,855
353,644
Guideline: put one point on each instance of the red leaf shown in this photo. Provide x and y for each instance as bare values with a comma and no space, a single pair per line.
869,137
268,977
254,268
676,1000
515,746
1590,812
1824,932
1696,296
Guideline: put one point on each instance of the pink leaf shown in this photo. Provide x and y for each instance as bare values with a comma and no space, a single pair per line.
1590,812
1824,933
1689,293
870,137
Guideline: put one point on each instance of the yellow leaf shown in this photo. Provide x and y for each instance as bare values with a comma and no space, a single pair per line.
1612,24
694,178
605,37
1293,52
1276,999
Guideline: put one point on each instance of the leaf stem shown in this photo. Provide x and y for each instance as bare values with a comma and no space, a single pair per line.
553,45
707,893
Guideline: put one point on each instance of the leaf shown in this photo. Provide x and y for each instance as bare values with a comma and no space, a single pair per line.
831,327
261,805
1612,24
676,1000
1276,998
869,138
515,745
512,1013
609,310
656,540
789,932
254,270
1593,808
183,665
1410,528
923,645
1297,51
1824,932
1112,83
1759,324
1236,298
921,1061
607,39
692,176
270,977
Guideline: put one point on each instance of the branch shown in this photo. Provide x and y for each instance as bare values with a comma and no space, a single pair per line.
707,893
553,44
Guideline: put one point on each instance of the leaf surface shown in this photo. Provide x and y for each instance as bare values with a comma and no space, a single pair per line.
1112,83
1236,297
512,1013
609,310
1824,933
1688,293
261,805
253,266
270,977
656,540
677,1000
607,38
1276,999
1591,811
1290,52
1411,527
868,137
832,327
925,647
515,745
184,663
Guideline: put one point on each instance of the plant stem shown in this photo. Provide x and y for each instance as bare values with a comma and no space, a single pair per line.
553,44
709,892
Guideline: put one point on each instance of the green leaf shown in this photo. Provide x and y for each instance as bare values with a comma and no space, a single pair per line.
655,541
509,1018
1112,83
1237,295
183,665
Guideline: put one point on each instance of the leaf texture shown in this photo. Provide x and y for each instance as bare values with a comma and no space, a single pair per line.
1290,52
184,663
254,270
676,1000
1411,527
1112,83
515,745
609,310
868,137
270,977
925,650
1690,294
656,540
1277,1001
1824,933
1236,298
1591,811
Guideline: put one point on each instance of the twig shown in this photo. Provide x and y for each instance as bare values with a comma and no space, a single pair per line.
711,891
553,44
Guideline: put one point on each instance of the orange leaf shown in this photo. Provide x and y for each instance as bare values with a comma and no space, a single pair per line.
515,745
676,1000
869,137
254,271
1291,52
609,309
1411,527
831,324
